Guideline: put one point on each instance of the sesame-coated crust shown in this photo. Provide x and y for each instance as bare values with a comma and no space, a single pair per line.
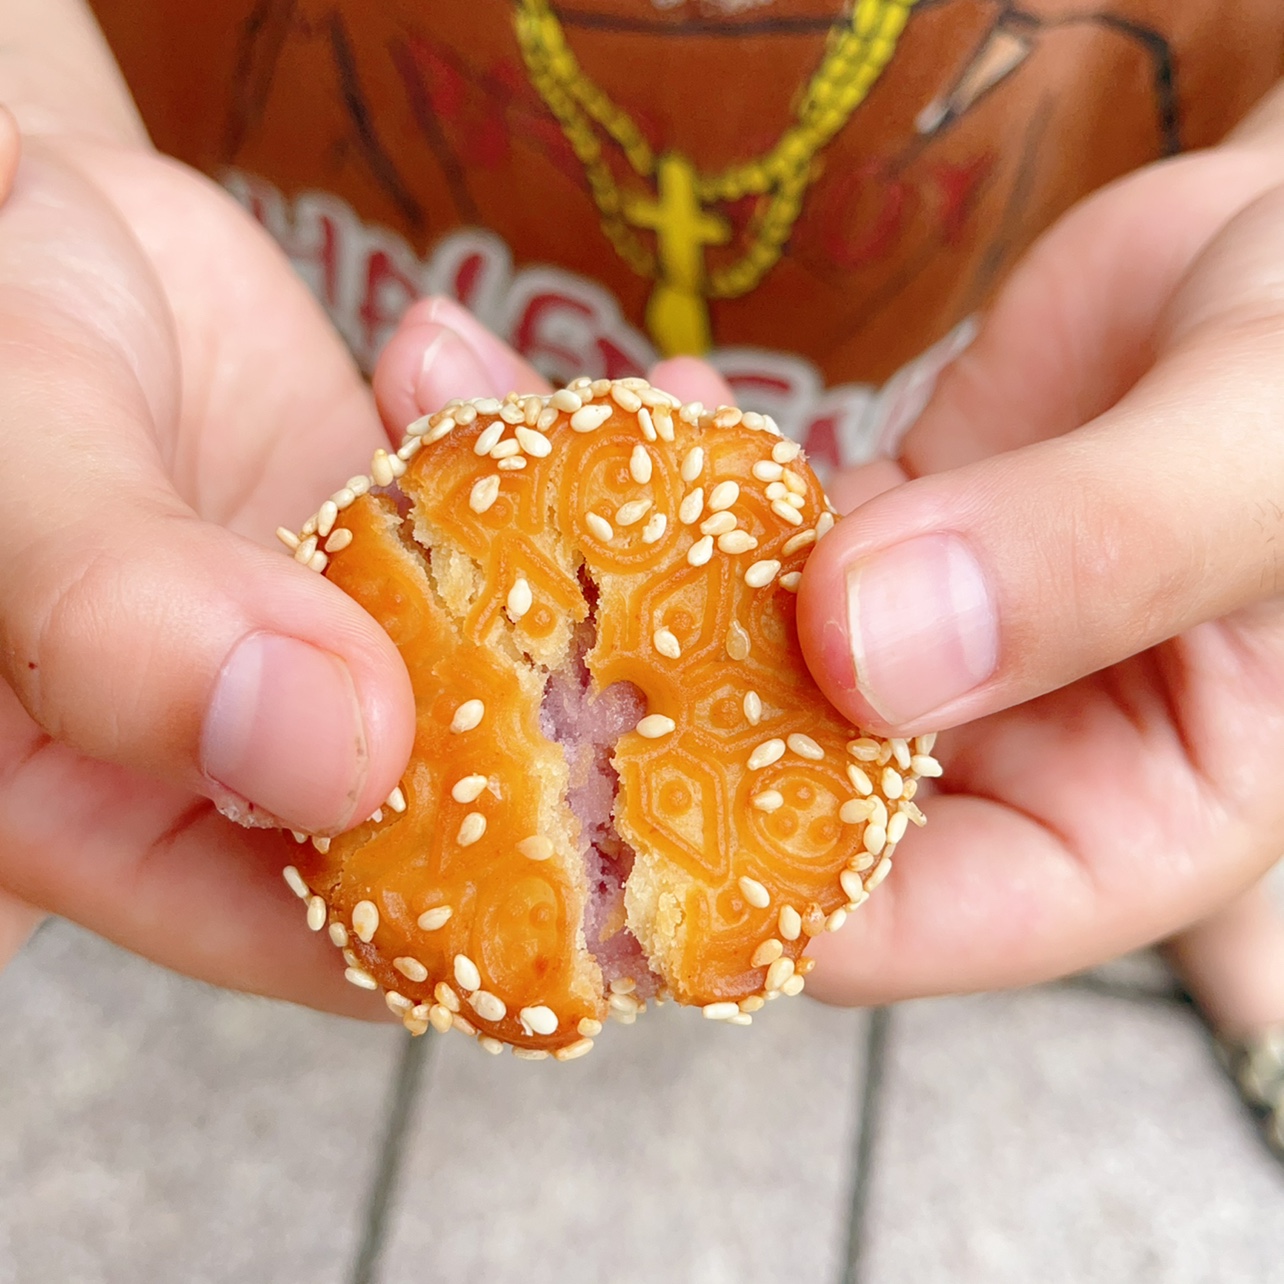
759,818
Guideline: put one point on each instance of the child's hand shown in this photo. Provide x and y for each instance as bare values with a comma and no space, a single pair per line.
1085,578
171,395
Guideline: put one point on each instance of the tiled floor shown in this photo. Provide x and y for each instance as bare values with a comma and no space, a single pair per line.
152,1130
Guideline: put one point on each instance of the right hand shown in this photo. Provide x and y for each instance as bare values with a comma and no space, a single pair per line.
171,395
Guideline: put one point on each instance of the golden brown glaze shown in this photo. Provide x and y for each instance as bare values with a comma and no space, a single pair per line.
757,815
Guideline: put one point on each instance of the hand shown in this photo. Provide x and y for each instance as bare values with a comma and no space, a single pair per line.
1077,563
172,395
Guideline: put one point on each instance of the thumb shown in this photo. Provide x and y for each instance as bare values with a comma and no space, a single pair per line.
968,591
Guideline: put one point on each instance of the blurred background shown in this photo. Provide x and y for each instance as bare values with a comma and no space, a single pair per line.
152,1129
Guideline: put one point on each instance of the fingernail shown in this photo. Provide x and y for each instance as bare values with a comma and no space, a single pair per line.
450,368
501,364
284,730
922,626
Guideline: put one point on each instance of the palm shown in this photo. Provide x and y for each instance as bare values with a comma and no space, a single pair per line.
267,415
1123,807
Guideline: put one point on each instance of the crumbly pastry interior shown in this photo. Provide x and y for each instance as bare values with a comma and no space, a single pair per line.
625,785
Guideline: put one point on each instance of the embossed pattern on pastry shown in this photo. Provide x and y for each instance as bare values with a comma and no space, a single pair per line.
625,785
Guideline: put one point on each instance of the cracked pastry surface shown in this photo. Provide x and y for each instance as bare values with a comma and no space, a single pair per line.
625,785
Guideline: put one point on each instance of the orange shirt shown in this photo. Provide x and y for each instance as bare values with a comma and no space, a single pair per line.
816,190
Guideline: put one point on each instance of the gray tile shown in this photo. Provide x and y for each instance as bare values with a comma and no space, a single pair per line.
1068,1138
1142,973
153,1130
677,1150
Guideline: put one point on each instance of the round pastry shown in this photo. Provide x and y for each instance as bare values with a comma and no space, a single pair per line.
625,785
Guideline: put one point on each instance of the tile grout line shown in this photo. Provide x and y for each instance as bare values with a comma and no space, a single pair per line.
1122,990
391,1152
862,1164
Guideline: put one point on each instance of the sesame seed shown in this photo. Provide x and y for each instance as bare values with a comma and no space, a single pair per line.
654,528
351,959
881,871
785,452
512,414
339,935
288,538
624,1003
590,418
767,953
443,429
875,839
813,921
488,405
640,464
534,443
693,464
381,468
318,562
719,524
691,507
893,784
768,800
573,1051
446,996
793,481
327,515
805,747
490,1044
864,749
565,399
358,485
720,1011
787,512
513,465
794,986
667,644
851,884
520,599
409,449
655,725
925,765
397,1003
723,495
360,978
626,398
589,1028
790,581
901,752
463,1025
316,913
925,744
321,844
752,1003
766,753
861,783
691,412
547,418
299,836
530,1054
753,708
419,426
727,417
467,716
440,1018
862,862
736,542
469,789
466,973
488,438
484,493
539,1020
397,800
376,816
855,811
601,387
600,527
880,811
537,847
295,882
506,449
754,892
760,574
471,829
801,540
488,1006
365,920
647,424
633,512
411,969
339,540
438,916
737,641
306,550
911,810
778,973
767,470
532,408
742,1019
790,923
663,424
896,827
701,551
345,497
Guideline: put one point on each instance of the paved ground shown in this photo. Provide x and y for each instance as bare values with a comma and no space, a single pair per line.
156,1132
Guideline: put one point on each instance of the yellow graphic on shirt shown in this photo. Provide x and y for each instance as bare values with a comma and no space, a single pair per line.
677,314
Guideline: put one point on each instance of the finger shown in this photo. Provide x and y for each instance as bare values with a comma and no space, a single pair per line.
970,591
690,379
132,630
441,351
1075,326
18,921
852,487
